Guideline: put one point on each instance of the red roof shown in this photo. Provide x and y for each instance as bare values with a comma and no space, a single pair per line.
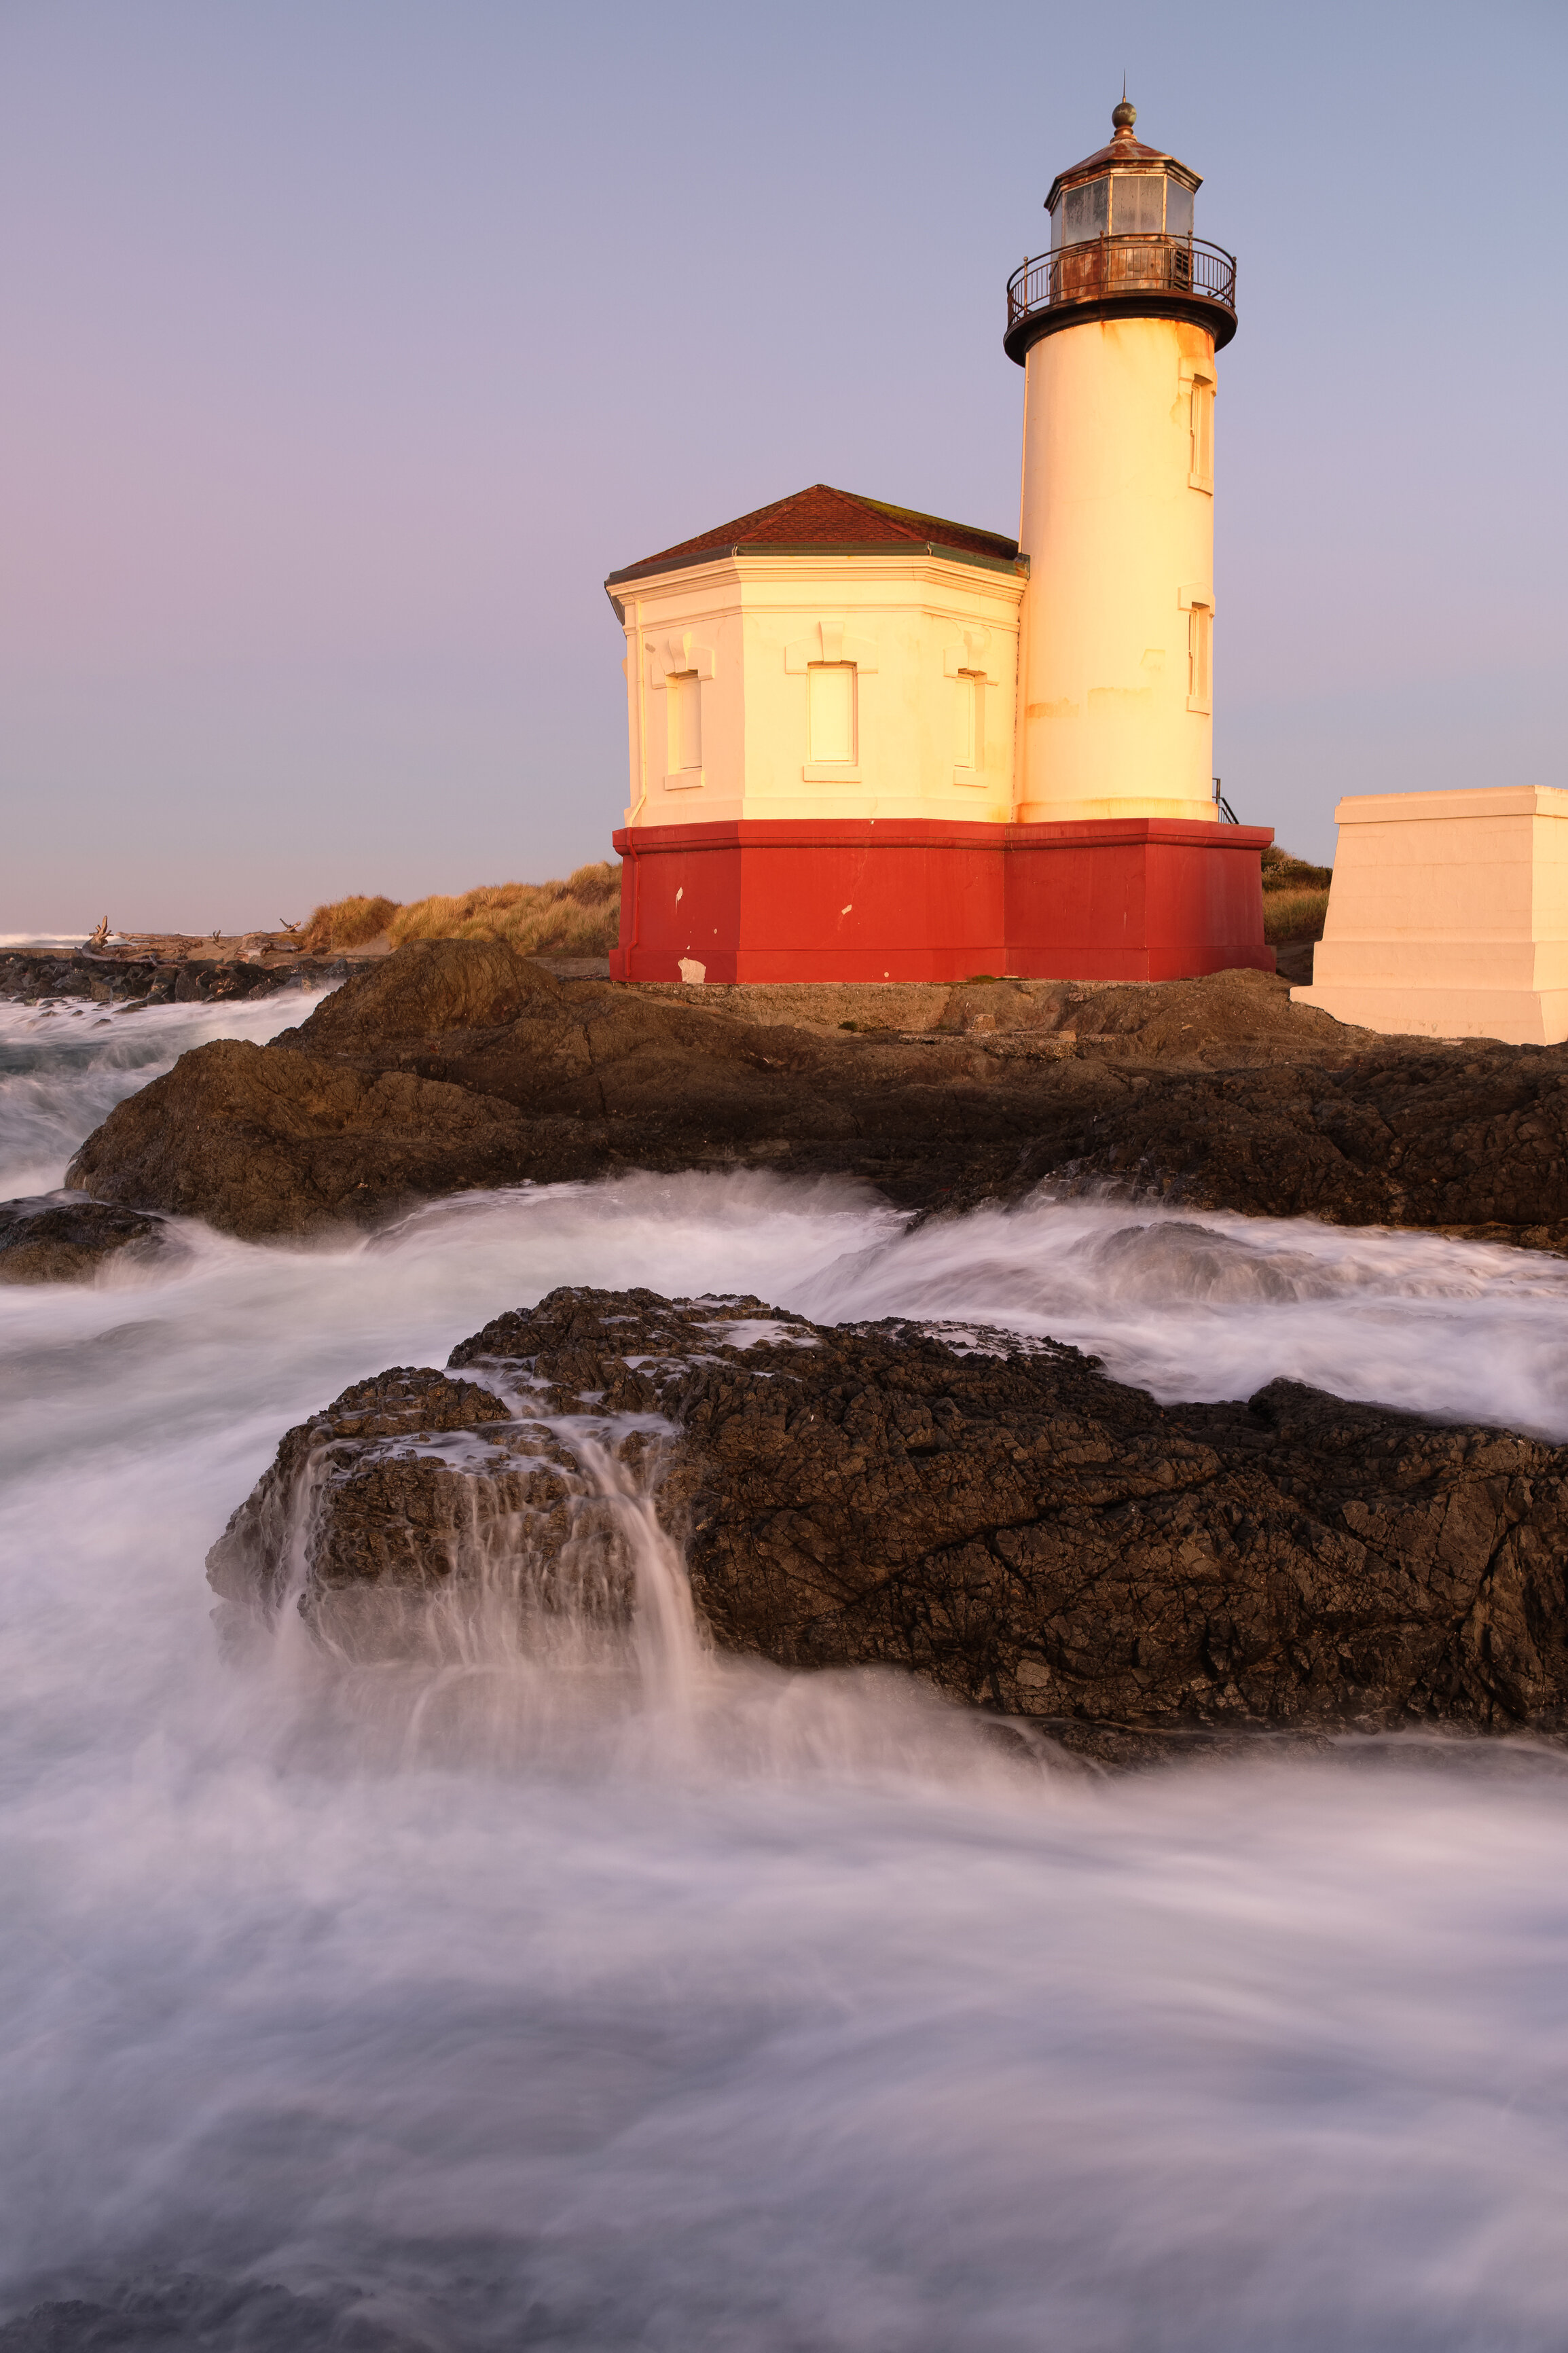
824,518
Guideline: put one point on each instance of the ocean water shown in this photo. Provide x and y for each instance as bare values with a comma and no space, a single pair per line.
681,2004
63,1066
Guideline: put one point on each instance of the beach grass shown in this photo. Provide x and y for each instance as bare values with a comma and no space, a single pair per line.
1294,914
576,917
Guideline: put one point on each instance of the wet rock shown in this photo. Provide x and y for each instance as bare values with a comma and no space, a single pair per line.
457,1063
119,979
48,1239
411,1490
1003,1521
265,1144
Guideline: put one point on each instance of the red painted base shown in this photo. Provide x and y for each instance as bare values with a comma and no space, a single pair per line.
1124,899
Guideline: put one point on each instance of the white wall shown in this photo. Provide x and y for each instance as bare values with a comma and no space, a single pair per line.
921,632
1121,542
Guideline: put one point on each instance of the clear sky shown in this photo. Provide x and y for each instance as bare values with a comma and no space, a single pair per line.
349,343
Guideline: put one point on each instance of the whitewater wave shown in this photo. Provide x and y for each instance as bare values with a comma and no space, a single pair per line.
731,2008
64,1065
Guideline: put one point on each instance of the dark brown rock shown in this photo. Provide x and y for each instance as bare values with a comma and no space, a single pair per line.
374,1523
46,1240
116,977
266,1143
457,1063
1024,1533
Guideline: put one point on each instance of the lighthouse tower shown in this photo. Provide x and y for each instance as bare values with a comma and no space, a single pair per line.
1121,867
1116,329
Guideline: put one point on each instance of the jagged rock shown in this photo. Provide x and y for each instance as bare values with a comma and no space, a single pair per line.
457,1063
44,1239
1005,1521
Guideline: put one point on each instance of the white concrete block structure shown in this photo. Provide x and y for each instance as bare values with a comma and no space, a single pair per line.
1448,915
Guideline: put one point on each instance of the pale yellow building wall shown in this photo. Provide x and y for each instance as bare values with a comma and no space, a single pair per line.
915,628
1119,536
1448,915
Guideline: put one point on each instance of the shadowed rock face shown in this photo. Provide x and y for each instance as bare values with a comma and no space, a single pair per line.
457,1063
1015,1528
46,1240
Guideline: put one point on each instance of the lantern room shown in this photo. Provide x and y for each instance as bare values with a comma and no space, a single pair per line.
1121,239
1123,190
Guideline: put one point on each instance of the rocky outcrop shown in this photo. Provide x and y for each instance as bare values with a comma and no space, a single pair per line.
268,1145
35,977
457,1063
1007,1523
46,1239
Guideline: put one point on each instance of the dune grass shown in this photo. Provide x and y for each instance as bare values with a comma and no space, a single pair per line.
1294,914
1283,872
577,917
348,923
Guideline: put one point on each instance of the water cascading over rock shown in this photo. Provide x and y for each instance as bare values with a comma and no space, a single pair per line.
998,1517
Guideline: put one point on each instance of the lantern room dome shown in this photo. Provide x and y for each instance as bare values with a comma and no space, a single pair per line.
1122,244
1125,189
1125,153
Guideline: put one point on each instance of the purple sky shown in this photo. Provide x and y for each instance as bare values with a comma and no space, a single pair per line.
349,343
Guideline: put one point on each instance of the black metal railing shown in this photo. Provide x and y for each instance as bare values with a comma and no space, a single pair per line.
1109,266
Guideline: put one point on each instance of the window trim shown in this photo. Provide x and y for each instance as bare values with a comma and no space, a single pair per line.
972,775
821,771
684,778
680,655
1200,636
1201,382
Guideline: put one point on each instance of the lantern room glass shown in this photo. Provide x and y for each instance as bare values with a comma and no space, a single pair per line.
1138,204
1081,213
1122,203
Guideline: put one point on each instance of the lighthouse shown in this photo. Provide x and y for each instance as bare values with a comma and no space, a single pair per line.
1116,329
867,743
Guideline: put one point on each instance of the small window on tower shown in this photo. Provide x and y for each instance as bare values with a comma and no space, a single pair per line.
832,713
1200,658
969,744
685,688
1201,472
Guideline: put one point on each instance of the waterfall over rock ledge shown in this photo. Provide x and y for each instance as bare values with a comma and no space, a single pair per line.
996,1515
